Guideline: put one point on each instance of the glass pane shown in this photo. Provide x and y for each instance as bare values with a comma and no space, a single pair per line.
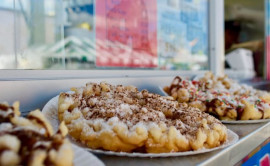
7,40
79,33
39,32
104,34
183,34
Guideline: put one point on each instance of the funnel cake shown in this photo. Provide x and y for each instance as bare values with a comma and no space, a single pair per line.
31,141
121,118
222,97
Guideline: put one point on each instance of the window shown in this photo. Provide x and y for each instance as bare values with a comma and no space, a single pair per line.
104,34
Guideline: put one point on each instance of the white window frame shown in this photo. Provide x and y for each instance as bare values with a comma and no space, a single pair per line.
216,36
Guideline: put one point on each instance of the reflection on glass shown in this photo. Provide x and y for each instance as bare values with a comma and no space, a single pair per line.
183,34
33,29
7,58
81,34
60,36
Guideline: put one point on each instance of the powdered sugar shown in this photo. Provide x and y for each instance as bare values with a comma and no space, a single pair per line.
130,109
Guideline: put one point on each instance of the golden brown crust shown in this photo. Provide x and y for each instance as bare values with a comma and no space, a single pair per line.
121,118
30,141
222,97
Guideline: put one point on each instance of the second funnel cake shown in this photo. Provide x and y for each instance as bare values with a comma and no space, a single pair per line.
121,118
222,97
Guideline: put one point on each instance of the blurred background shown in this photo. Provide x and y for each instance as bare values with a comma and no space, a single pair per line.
125,34
47,34
60,34
245,29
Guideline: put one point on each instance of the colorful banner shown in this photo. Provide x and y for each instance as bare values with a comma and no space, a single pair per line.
126,33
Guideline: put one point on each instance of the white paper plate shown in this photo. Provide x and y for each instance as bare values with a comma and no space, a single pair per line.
162,92
232,138
50,112
245,121
84,158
